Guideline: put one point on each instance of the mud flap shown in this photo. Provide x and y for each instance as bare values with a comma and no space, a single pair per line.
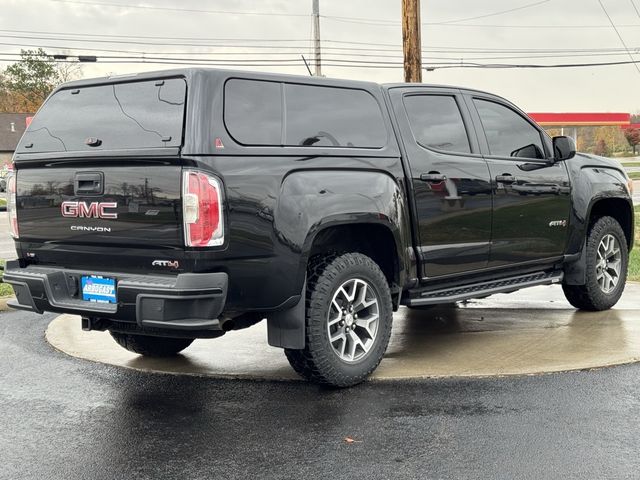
575,272
286,329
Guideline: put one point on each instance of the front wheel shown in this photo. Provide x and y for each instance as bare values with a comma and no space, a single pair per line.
151,346
348,320
607,259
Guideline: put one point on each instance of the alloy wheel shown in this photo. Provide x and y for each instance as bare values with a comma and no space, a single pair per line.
352,323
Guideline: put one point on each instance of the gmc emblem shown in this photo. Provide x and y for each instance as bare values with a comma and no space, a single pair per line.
91,210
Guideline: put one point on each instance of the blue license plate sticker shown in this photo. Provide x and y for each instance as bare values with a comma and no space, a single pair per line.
98,289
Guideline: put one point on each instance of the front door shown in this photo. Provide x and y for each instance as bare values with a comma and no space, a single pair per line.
450,181
531,193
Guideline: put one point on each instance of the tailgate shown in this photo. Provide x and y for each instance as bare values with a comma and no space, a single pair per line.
134,205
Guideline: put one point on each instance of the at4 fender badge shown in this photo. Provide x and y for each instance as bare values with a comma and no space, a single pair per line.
558,223
166,263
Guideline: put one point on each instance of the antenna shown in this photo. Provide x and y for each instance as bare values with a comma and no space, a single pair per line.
306,65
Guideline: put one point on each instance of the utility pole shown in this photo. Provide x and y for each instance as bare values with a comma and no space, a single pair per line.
316,37
411,43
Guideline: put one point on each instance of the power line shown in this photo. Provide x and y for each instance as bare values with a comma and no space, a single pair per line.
287,56
336,63
619,36
494,14
58,36
188,10
477,25
561,65
193,10
274,49
162,37
635,8
498,54
375,21
361,20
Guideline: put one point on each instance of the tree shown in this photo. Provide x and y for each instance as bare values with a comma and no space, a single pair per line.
602,148
25,84
633,137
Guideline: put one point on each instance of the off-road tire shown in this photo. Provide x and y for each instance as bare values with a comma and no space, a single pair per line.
318,362
590,296
151,346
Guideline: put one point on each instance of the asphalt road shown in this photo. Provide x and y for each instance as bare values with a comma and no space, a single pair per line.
63,418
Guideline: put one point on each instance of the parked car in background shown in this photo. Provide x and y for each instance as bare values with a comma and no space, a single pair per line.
4,172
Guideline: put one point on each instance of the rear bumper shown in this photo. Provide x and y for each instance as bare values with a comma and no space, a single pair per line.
188,301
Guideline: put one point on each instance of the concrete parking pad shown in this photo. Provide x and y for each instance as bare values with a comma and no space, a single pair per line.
529,332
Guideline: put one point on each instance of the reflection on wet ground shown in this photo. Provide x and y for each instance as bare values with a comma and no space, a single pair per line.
531,331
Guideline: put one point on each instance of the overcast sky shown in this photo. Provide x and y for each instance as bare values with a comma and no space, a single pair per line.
359,31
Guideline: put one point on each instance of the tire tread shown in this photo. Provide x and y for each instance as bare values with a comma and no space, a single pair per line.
589,296
151,346
315,364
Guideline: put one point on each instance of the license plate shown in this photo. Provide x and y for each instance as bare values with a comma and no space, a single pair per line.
98,289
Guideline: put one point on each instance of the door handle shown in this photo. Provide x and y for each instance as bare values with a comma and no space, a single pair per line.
433,177
506,178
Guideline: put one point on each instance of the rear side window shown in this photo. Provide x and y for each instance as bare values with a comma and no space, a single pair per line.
508,133
437,123
253,111
133,115
259,112
333,117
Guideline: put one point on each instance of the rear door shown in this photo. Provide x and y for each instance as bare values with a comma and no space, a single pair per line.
450,180
531,193
99,166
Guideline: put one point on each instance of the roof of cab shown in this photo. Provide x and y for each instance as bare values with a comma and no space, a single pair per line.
190,73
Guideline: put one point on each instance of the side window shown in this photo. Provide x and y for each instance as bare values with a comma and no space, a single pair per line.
253,111
332,117
437,123
314,116
508,133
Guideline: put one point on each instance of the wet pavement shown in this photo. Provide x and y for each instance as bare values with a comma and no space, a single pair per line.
65,418
530,331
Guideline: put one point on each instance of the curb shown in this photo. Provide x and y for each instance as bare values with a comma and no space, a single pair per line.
3,304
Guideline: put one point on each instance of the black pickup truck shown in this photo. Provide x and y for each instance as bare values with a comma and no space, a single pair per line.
175,205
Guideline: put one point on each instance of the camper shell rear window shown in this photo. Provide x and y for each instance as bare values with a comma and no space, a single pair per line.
117,116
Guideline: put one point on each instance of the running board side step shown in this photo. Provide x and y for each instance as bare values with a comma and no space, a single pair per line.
483,289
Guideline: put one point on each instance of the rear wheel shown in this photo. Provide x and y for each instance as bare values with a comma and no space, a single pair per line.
151,346
348,320
607,259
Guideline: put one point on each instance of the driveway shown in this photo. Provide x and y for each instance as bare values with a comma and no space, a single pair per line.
64,418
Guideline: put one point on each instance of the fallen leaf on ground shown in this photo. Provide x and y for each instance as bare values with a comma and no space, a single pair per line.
351,440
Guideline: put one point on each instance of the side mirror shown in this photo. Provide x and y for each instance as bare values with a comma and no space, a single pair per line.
564,148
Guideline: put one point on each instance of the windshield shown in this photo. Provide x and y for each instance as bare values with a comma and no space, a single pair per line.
133,115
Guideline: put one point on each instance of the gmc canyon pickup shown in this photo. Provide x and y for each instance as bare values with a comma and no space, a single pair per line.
175,205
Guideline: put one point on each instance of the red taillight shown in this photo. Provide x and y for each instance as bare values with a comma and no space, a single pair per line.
202,210
11,204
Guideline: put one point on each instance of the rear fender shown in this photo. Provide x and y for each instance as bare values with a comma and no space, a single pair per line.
313,200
